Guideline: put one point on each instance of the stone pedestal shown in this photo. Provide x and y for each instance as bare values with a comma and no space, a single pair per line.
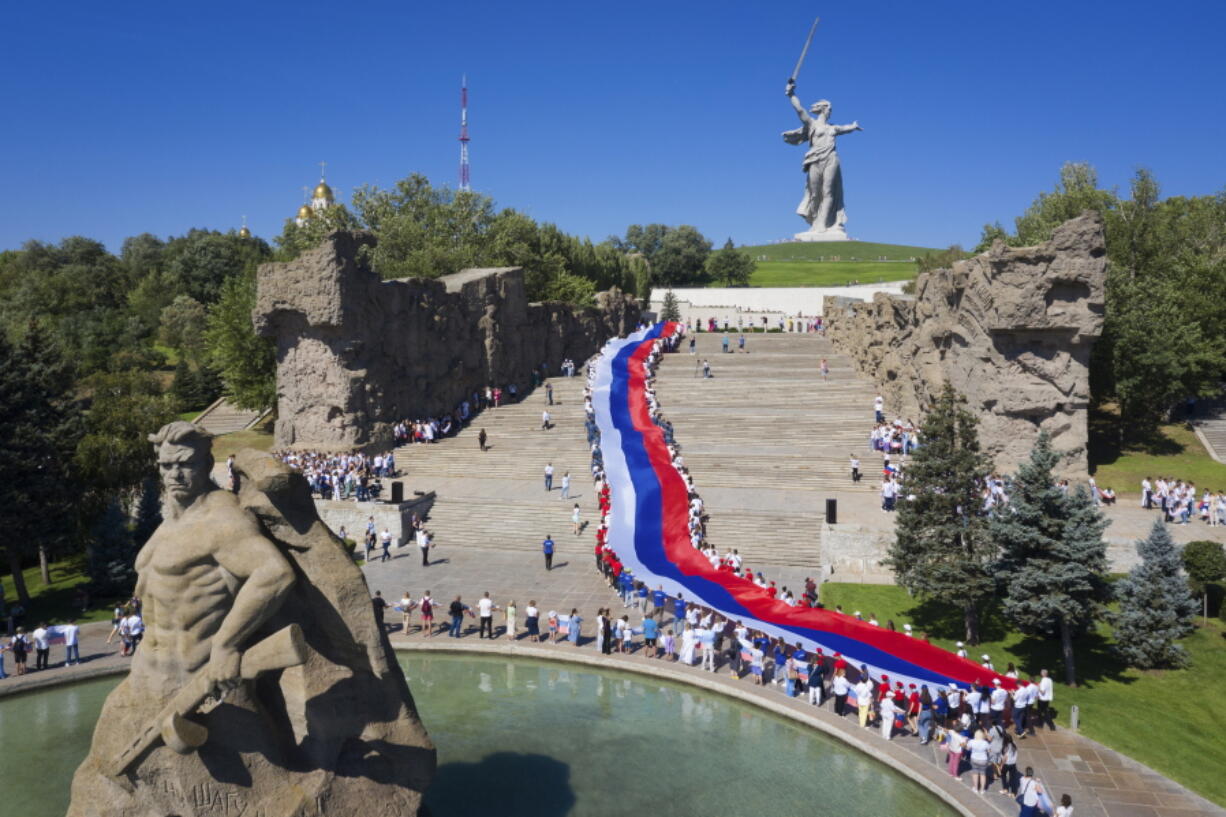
833,234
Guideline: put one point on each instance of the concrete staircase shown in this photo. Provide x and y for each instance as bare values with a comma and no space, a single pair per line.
224,417
765,439
1212,433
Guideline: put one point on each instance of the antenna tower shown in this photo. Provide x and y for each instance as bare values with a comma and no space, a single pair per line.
464,134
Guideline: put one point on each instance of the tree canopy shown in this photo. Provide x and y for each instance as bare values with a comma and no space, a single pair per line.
1162,339
730,266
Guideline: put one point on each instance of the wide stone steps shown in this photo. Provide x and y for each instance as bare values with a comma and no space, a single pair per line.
761,538
224,417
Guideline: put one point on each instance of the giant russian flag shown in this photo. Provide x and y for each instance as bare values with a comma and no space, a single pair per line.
649,532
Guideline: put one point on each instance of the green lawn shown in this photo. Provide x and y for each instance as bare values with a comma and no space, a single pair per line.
259,438
827,274
1174,451
1169,720
56,602
840,250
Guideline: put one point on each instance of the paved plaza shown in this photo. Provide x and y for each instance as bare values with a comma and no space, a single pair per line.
767,441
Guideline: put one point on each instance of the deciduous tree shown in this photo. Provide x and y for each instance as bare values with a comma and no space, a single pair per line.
730,266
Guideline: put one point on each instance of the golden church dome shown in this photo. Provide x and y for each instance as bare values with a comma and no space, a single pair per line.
322,191
304,212
244,232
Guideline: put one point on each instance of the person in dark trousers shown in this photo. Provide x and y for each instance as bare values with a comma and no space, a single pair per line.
549,393
456,609
379,606
481,438
547,548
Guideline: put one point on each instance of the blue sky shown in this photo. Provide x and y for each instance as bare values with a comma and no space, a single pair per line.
135,117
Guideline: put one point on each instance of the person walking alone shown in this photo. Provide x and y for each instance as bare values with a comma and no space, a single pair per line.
481,439
549,393
565,485
547,549
548,476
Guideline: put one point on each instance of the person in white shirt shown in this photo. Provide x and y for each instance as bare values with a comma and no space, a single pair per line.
1065,809
72,650
864,698
406,612
1023,696
485,609
887,715
42,646
997,703
1045,696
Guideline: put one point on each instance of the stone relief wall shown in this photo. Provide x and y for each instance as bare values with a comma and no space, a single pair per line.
355,353
1012,329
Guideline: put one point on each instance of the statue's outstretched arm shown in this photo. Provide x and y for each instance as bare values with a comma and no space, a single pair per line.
852,128
796,105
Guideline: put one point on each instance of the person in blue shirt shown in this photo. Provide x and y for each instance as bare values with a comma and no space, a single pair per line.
651,632
626,585
641,592
780,654
679,613
658,597
802,667
547,548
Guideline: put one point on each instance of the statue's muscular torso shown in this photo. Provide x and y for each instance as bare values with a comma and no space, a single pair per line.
192,571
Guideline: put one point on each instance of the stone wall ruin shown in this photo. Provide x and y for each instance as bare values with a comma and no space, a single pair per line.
356,354
1011,328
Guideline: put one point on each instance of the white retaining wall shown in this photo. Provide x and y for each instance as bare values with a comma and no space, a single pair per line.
769,302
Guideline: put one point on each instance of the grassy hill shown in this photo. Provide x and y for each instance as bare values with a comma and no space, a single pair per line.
832,263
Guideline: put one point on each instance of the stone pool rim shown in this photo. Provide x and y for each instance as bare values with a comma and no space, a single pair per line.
958,797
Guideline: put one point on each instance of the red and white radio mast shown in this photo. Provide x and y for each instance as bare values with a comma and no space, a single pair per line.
464,185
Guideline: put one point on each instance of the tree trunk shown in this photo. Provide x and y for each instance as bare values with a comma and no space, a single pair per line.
19,580
1066,647
44,565
971,617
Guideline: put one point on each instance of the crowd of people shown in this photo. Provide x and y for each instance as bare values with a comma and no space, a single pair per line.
1179,503
357,476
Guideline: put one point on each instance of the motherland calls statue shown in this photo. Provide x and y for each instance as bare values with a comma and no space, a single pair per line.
822,205
263,686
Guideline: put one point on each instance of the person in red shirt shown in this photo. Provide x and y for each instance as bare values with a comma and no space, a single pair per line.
913,709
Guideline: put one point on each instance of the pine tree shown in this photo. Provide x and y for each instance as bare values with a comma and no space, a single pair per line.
941,549
112,554
1156,607
1052,557
670,311
40,423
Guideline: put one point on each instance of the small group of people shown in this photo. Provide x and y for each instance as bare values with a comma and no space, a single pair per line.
1179,503
20,644
799,323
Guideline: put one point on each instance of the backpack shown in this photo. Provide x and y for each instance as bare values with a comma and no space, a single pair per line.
426,607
